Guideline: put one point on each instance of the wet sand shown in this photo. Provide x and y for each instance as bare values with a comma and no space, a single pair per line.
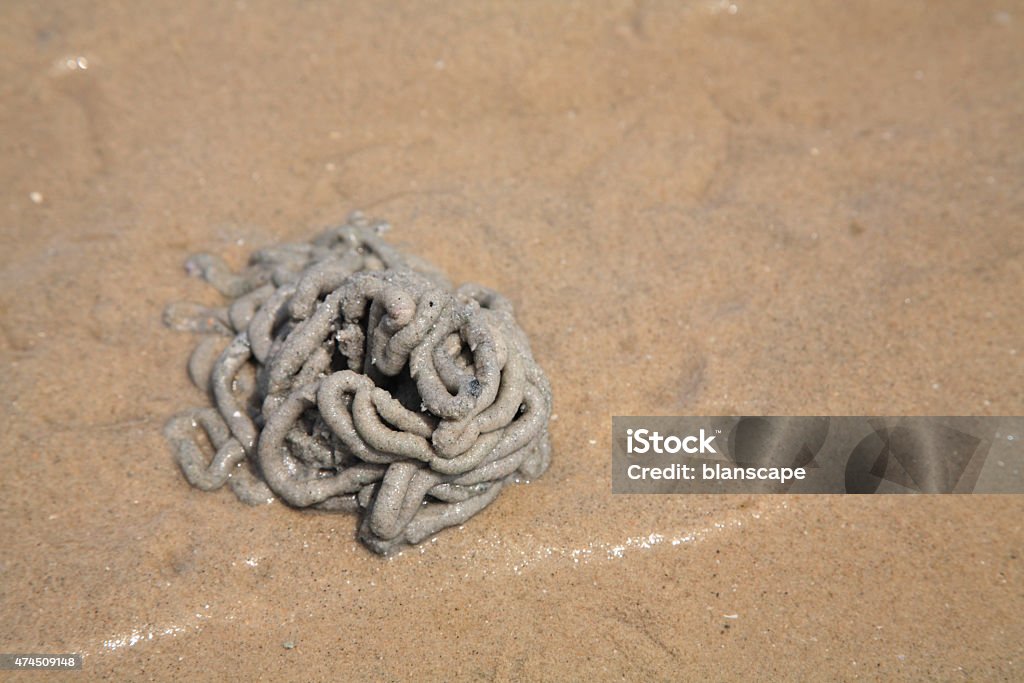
789,208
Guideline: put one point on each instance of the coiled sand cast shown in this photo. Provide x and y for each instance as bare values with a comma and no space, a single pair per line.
357,379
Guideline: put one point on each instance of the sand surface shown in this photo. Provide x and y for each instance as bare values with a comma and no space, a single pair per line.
698,208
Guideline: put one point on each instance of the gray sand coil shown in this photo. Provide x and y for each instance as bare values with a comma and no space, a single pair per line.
347,376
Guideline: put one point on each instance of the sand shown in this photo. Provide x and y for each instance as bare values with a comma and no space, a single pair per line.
697,208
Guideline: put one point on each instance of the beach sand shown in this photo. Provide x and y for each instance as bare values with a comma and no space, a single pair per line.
698,208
